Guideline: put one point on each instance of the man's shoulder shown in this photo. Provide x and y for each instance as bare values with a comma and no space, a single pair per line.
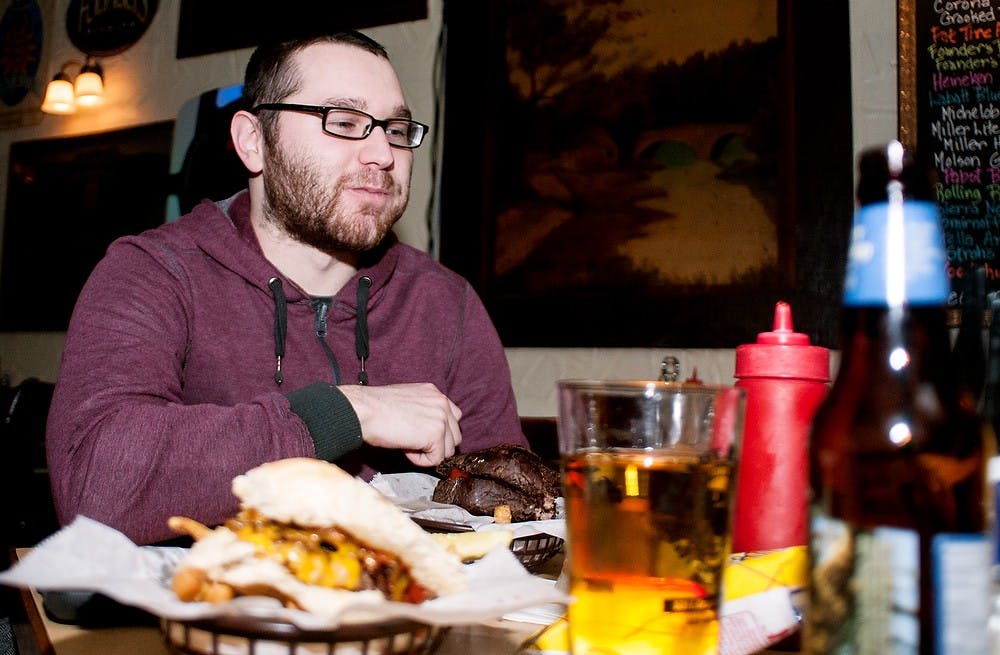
422,276
187,232
413,261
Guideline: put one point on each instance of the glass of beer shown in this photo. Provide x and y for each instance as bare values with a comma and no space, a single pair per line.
649,477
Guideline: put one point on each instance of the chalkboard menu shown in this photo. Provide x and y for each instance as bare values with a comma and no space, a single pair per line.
950,111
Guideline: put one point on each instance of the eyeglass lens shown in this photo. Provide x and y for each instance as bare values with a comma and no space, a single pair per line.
356,125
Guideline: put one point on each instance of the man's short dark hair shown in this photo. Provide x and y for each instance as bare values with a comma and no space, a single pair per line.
271,76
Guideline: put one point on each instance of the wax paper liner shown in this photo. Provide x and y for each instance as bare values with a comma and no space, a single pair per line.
87,555
412,493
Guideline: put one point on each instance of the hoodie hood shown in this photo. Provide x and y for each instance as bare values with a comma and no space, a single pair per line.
223,231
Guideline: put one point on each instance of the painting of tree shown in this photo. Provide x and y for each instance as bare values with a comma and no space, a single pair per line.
636,152
621,159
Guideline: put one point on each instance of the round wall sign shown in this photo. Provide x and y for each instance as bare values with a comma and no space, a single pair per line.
106,27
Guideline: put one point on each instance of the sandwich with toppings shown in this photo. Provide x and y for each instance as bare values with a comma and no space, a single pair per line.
317,538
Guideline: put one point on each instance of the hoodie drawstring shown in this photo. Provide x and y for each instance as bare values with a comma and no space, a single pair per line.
280,325
360,329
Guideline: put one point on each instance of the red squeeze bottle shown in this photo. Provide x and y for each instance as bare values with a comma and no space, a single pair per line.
785,379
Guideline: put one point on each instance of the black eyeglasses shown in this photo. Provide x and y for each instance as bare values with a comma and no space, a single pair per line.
356,125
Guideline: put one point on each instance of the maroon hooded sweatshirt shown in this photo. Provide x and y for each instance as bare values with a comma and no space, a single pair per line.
191,359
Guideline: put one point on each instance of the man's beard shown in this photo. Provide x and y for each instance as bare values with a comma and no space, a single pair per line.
314,212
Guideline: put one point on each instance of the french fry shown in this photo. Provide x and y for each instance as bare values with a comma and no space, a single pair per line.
217,592
191,584
188,583
187,526
501,514
470,546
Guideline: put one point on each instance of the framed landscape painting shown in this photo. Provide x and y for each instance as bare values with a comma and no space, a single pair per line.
624,173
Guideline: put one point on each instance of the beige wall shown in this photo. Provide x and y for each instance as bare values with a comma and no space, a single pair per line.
133,100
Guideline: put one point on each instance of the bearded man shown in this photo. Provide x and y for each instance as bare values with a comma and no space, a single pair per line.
285,321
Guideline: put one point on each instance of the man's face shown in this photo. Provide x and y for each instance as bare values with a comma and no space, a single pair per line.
330,193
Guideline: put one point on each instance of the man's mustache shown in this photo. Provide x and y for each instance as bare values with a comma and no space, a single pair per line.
372,180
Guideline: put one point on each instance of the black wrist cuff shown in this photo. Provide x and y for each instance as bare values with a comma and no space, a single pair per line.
330,418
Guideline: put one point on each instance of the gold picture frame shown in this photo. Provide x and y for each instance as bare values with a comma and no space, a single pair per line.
906,54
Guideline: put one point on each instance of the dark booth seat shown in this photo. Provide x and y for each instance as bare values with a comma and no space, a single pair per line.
31,517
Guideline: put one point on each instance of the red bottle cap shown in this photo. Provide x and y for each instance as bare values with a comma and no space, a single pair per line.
783,353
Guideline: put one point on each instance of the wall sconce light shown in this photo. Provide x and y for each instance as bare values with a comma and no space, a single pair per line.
64,94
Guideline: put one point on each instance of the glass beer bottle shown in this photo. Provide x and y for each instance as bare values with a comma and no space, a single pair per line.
896,459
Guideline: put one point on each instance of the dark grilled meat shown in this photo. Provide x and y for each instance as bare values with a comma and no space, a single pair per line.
481,495
513,465
501,475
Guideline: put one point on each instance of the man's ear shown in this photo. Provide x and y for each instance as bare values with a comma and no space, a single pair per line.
248,140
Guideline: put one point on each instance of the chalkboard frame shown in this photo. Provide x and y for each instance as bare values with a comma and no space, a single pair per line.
906,72
818,167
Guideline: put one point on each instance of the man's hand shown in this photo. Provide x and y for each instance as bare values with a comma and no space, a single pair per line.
415,418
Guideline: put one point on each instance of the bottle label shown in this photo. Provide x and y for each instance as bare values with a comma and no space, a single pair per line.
993,478
912,249
961,563
866,590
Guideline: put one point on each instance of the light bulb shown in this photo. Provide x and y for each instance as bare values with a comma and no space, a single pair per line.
89,89
59,98
89,85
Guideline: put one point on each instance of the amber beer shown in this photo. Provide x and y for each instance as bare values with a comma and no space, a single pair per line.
649,538
649,494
